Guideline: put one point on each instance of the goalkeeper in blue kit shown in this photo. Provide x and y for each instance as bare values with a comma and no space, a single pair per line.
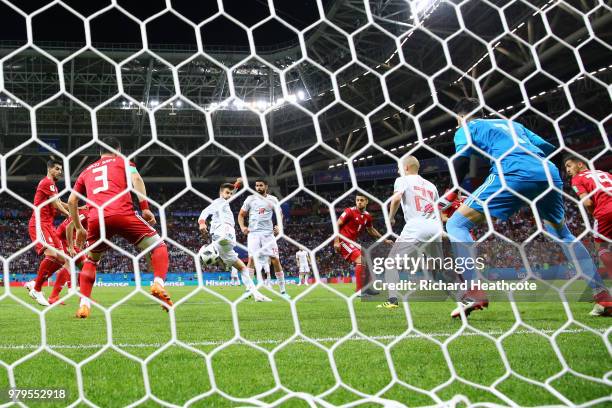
519,162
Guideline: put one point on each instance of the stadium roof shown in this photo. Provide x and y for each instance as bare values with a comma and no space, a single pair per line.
206,105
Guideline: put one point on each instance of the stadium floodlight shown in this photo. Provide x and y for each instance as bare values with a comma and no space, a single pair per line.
154,102
238,104
301,95
179,103
419,6
261,104
280,101
292,98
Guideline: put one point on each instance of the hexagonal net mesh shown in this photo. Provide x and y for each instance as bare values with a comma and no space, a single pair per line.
305,103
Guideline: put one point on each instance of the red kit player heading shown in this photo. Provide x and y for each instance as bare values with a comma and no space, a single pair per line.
101,182
53,259
594,187
352,222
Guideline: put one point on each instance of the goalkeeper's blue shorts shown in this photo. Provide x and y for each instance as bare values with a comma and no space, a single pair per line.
502,201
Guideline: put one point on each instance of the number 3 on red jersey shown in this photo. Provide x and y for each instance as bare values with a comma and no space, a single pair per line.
103,178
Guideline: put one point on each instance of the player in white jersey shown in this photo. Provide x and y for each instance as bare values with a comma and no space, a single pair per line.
234,281
417,197
261,230
223,235
302,258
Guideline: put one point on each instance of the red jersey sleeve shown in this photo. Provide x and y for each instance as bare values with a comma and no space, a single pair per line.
346,213
368,221
47,188
578,185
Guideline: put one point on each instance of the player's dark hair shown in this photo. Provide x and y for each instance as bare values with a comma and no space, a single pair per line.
53,162
468,105
261,181
226,185
111,142
362,195
573,158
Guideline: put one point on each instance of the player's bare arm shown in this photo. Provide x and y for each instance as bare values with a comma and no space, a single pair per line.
81,233
70,238
276,228
337,238
241,221
139,186
374,233
587,203
61,207
203,229
396,200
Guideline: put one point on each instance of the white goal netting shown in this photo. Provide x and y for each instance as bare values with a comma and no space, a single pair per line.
363,84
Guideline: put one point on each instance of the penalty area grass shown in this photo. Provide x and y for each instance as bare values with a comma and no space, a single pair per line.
494,359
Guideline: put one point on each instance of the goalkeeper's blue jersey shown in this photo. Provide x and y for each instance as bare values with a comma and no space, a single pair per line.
524,160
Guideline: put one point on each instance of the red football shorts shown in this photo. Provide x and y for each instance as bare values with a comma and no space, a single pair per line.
48,236
131,227
349,251
603,228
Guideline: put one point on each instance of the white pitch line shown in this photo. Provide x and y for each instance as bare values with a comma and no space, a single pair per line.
299,340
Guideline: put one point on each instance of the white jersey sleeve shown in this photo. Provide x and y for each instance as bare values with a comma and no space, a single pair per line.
206,212
399,185
246,206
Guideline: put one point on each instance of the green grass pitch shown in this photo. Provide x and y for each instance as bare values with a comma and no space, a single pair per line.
204,323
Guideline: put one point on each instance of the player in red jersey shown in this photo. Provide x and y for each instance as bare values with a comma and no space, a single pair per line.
352,222
65,232
595,191
53,259
104,183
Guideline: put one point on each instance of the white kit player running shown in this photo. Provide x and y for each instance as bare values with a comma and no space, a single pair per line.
301,258
260,232
223,235
422,224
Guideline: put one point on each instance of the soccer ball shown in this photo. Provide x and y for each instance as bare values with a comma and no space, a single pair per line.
209,255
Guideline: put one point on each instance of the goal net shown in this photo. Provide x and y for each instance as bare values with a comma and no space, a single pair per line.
323,100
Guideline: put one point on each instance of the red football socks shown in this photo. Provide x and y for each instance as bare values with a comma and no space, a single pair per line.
606,257
47,267
358,276
87,277
159,260
63,276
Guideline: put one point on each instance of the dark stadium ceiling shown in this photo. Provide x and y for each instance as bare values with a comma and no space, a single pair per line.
204,84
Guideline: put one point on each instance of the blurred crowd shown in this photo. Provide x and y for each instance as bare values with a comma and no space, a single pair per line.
306,221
